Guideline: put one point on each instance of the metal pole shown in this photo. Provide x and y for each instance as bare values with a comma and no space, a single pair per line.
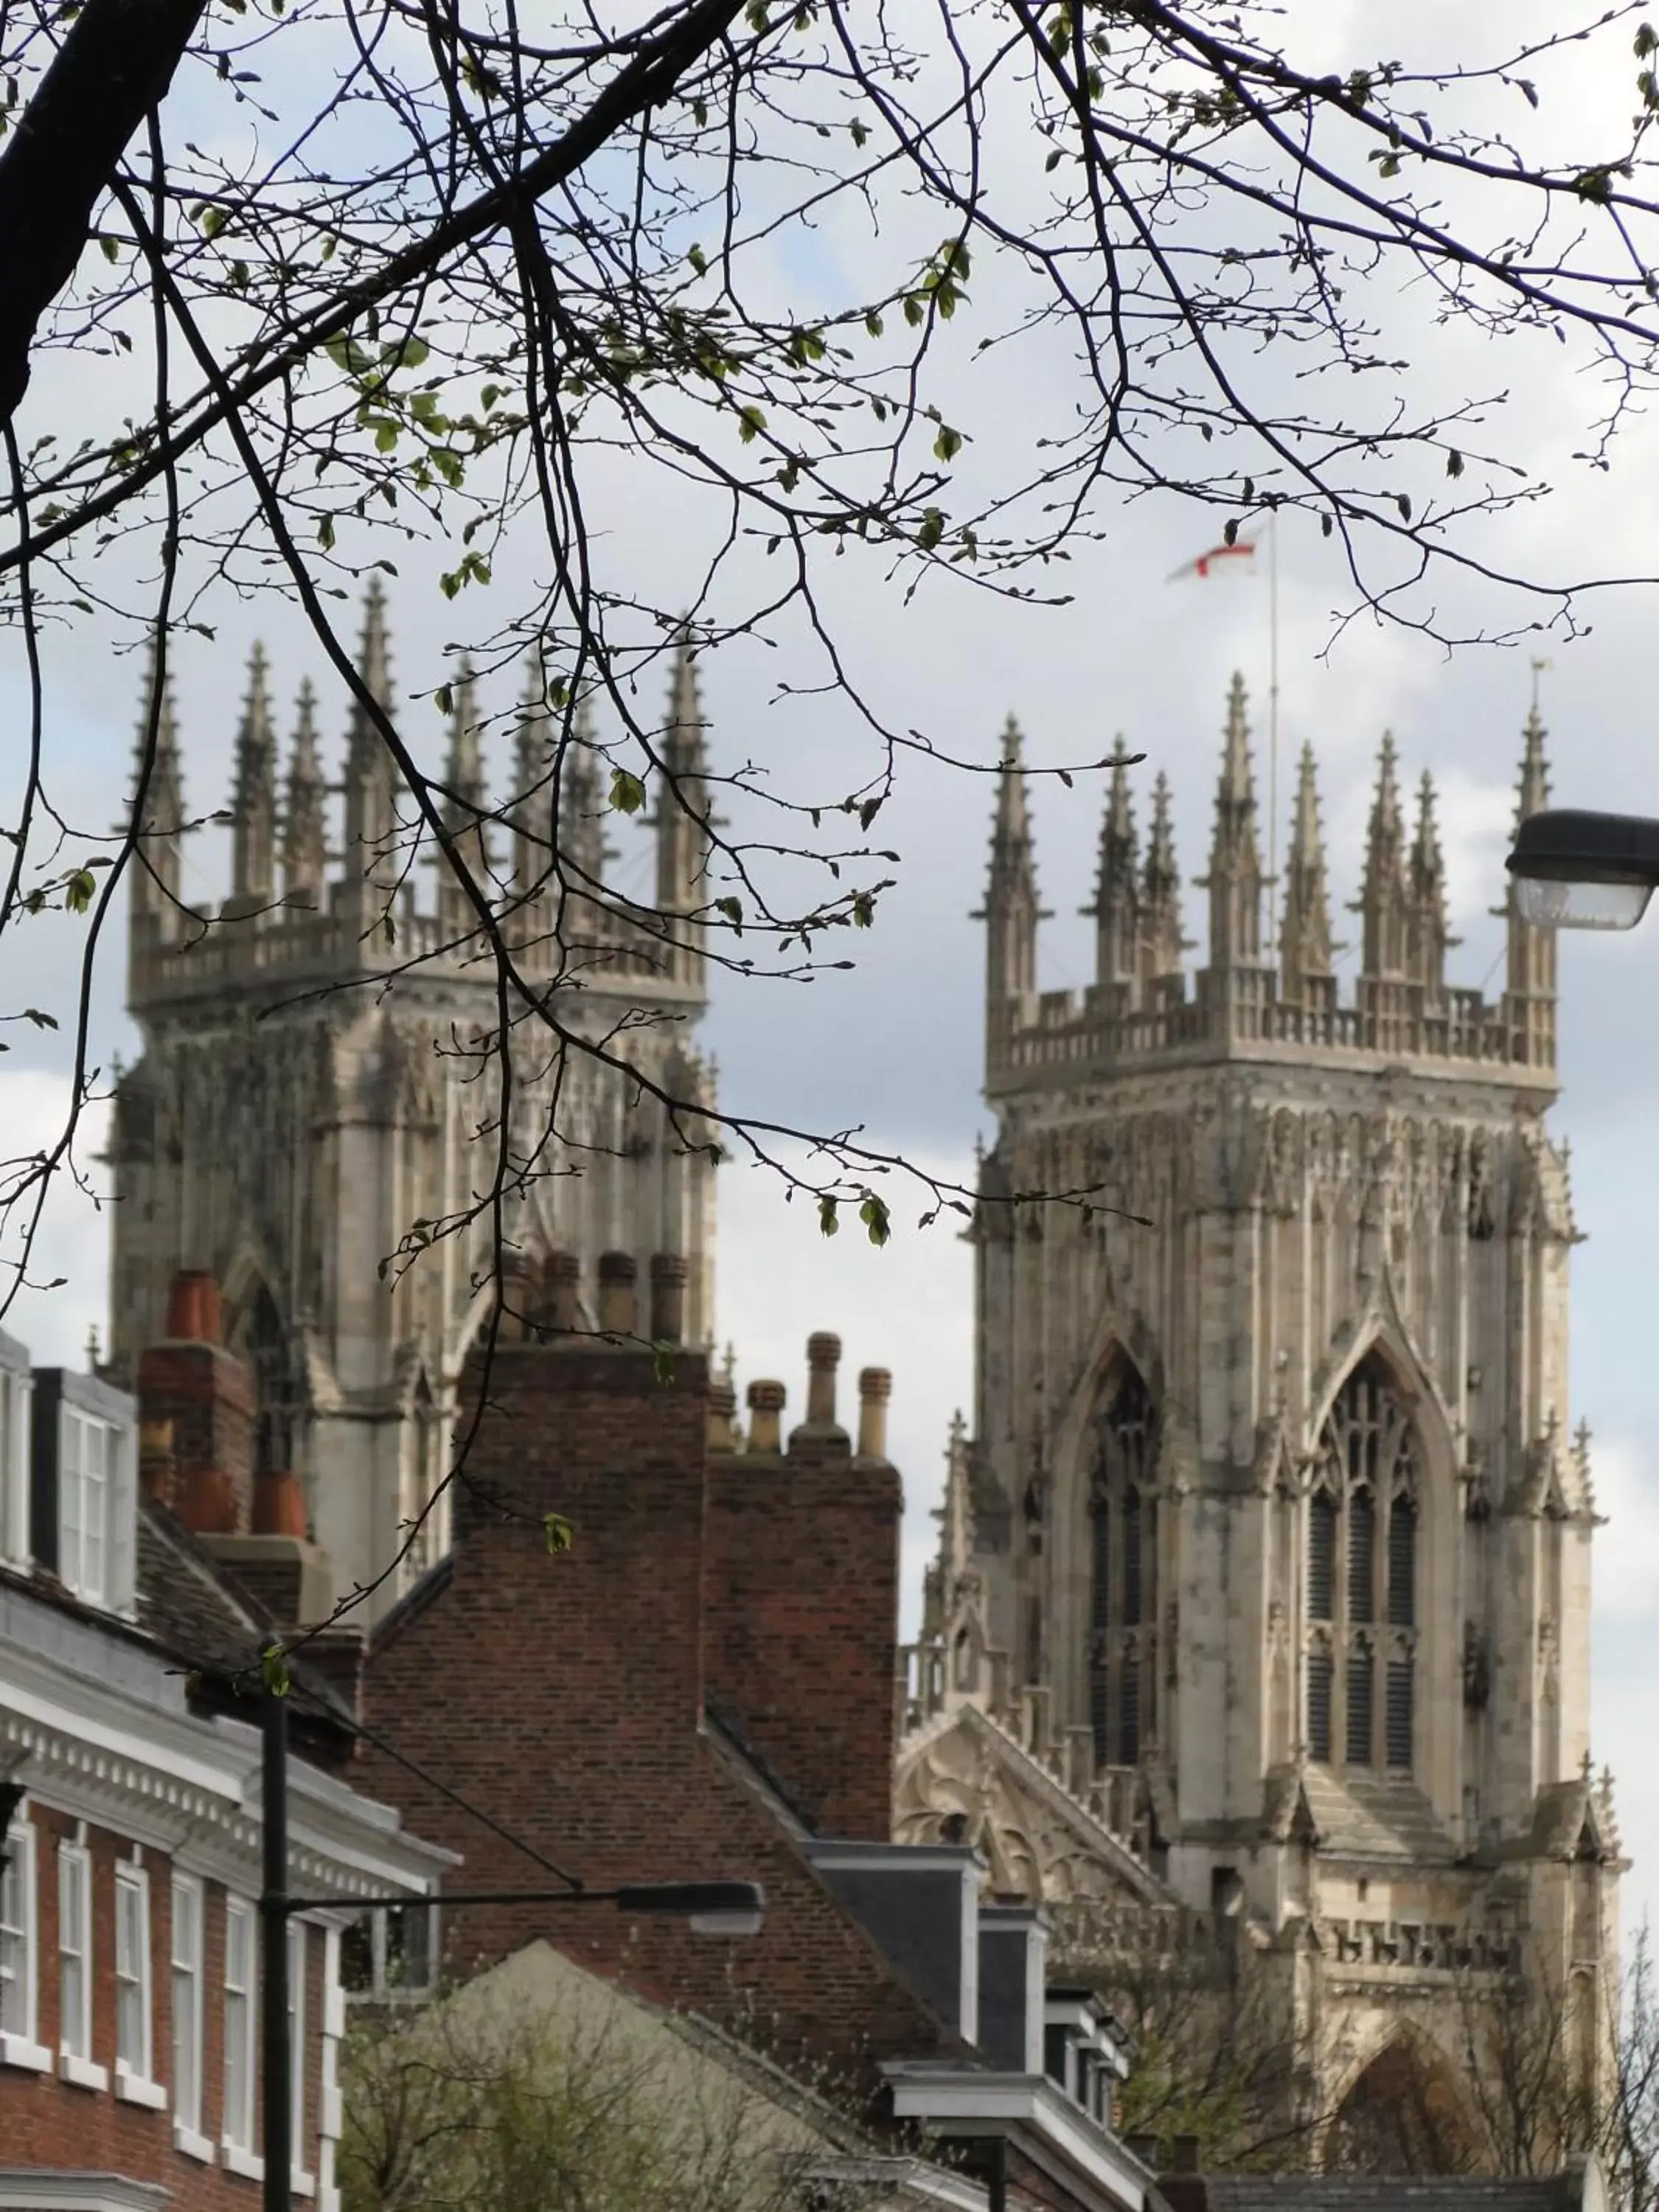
277,2088
1273,706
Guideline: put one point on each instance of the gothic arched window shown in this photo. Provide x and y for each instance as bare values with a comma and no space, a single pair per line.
1123,1577
1364,1513
262,1341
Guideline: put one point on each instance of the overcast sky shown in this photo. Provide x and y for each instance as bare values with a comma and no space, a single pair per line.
896,1046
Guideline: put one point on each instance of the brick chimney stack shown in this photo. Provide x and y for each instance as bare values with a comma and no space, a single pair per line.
190,1383
802,1615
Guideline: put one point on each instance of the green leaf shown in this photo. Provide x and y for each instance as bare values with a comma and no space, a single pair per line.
829,1222
1454,463
931,529
386,435
860,133
78,890
274,1671
914,310
41,1021
406,352
111,252
664,1355
864,910
1646,42
1405,506
443,699
559,1532
750,421
627,792
874,323
213,221
698,259
874,1216
732,910
948,444
757,16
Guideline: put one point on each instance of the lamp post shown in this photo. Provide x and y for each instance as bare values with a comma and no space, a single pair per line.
710,1908
1577,870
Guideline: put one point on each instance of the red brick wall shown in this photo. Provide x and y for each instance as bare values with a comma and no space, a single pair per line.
48,2122
562,1694
207,1394
802,1622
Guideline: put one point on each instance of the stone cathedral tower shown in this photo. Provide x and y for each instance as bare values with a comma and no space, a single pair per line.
1264,1587
320,1078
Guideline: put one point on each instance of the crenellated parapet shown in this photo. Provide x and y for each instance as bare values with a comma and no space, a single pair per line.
1143,1011
329,874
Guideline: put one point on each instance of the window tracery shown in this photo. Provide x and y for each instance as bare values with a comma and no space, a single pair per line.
1364,1511
1123,1576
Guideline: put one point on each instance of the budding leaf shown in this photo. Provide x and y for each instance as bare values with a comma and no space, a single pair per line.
829,1222
41,1021
627,792
663,1360
274,1670
559,1532
873,1214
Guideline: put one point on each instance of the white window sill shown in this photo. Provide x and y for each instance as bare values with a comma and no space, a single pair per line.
133,2089
247,2163
302,2185
81,2073
18,2050
193,2145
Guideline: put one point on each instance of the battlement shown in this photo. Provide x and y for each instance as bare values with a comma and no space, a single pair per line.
1070,1035
323,871
1144,1009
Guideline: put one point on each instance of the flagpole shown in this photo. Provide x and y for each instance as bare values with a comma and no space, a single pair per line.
1273,698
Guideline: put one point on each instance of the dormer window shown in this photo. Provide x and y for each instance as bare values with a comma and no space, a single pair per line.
85,1486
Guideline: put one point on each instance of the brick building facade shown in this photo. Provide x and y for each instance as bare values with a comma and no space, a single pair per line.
130,1983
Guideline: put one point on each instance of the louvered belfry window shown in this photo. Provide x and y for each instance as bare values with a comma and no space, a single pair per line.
1124,1553
1363,1520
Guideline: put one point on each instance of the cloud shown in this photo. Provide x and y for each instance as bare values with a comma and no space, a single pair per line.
70,1247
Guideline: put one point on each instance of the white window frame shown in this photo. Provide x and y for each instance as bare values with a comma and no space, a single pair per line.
20,1934
187,1963
135,1990
75,2059
241,2022
83,1502
16,1388
329,2113
302,2181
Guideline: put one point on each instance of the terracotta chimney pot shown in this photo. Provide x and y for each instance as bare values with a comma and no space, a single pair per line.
193,1309
668,1274
279,1505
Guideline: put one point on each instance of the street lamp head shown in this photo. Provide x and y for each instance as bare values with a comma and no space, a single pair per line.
711,1908
1577,870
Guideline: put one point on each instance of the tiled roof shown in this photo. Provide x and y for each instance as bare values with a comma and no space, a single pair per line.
1356,2192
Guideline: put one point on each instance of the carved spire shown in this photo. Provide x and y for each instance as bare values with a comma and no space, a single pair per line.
1305,951
1427,935
1011,911
1117,890
1160,941
531,810
1529,1000
581,814
682,812
1235,878
305,812
157,865
1383,894
253,804
464,806
371,772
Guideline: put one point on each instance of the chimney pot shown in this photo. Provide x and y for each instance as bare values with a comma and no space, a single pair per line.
193,1310
158,1463
722,1415
668,1274
823,1358
561,1276
279,1505
875,1388
517,1297
766,1401
619,1304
